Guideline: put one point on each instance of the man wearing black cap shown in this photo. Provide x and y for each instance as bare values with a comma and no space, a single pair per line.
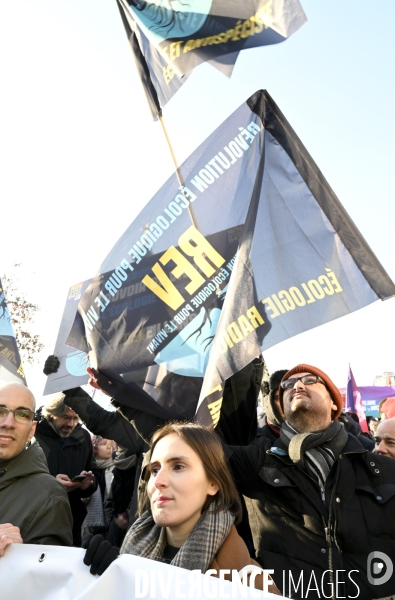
319,503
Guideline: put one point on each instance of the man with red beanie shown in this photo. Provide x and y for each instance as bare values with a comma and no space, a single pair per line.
321,507
319,503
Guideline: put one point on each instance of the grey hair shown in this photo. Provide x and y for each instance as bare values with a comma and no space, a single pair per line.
56,407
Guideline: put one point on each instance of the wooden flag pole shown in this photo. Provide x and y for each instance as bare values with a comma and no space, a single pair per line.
178,172
149,88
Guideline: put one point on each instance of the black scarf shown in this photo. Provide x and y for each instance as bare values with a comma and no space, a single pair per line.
315,452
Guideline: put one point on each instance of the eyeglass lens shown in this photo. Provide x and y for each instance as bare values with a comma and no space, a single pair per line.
20,415
306,380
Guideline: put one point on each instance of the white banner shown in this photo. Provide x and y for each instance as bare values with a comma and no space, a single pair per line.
29,572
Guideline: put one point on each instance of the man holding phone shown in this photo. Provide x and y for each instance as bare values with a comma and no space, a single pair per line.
68,449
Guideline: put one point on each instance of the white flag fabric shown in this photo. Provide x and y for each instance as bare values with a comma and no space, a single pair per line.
30,572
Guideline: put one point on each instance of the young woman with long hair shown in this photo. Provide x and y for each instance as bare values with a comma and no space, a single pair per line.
191,506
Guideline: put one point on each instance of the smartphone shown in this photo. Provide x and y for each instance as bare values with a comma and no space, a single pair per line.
78,478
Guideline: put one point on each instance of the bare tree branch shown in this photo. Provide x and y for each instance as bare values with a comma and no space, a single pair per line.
22,313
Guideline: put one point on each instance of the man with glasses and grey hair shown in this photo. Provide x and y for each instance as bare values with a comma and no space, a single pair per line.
34,508
68,449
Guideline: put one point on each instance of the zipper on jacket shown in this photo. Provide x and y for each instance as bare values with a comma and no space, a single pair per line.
327,527
330,563
328,532
328,538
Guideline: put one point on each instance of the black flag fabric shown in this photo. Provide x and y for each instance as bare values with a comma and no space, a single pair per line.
169,39
11,368
177,307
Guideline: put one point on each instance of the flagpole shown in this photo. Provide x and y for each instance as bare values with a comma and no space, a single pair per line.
178,172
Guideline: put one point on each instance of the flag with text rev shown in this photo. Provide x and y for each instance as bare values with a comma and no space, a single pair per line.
177,307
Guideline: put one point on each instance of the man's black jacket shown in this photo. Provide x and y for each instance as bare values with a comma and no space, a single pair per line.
298,529
69,456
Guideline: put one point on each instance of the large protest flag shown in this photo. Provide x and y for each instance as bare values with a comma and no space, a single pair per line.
11,368
354,401
306,249
169,39
272,254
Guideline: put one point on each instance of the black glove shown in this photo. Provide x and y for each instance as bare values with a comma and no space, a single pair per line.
265,388
99,553
51,365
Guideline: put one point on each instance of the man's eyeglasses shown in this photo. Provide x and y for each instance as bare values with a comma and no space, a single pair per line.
306,380
67,418
21,415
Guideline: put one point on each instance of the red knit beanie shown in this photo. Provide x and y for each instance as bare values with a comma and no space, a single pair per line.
332,389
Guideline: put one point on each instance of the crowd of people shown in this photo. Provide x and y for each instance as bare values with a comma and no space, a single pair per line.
300,490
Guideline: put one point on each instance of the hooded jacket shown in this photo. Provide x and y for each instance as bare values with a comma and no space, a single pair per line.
31,499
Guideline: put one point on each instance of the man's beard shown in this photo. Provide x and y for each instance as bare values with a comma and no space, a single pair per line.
63,434
59,432
304,419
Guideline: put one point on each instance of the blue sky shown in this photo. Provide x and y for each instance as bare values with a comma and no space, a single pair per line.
80,154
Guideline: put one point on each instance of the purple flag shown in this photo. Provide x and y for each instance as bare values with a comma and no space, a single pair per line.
354,401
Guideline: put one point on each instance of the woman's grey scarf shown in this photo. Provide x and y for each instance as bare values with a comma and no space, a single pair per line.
148,540
123,462
104,463
315,452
